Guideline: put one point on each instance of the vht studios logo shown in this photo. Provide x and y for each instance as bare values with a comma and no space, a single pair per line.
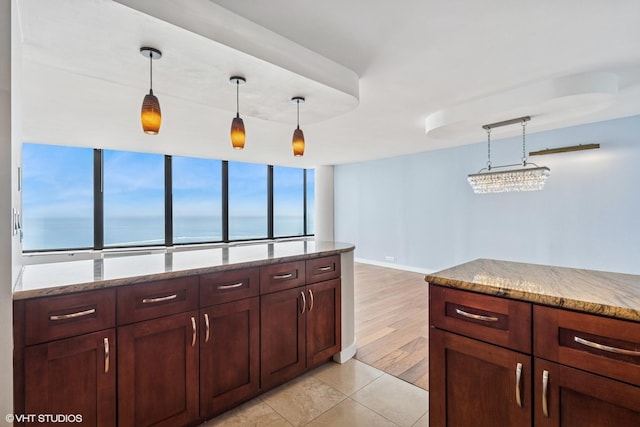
44,418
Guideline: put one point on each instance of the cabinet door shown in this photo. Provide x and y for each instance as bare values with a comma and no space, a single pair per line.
73,376
282,336
570,397
323,321
472,383
158,371
229,354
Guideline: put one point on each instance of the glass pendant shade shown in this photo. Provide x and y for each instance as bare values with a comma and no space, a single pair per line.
150,115
298,142
237,133
531,179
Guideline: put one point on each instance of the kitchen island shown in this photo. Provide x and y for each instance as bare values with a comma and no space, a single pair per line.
177,337
522,344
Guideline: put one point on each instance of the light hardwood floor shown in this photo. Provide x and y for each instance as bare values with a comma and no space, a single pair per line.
392,322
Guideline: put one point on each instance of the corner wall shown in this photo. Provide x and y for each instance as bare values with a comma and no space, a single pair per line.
419,210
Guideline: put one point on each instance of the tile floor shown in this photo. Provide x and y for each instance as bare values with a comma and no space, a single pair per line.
352,394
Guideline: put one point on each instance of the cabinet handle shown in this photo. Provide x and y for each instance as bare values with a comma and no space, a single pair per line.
193,326
72,315
206,331
326,268
159,299
106,355
310,300
283,276
606,347
304,302
545,385
235,285
476,316
518,381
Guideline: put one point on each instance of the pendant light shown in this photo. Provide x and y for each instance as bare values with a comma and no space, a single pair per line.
298,137
524,179
237,125
150,115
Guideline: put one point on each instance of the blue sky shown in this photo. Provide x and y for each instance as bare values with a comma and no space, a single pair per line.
58,182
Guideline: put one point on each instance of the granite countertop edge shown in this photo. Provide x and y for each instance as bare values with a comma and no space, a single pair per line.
575,302
21,294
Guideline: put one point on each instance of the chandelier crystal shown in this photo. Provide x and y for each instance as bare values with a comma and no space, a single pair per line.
523,179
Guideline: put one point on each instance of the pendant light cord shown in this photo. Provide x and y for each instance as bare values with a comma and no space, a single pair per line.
237,97
298,116
524,155
151,72
489,148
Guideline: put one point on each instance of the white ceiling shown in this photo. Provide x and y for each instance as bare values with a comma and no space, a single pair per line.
375,72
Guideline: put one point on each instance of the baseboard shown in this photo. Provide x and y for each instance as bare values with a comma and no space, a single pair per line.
346,353
393,265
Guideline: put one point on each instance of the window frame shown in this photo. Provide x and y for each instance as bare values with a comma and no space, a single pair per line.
98,209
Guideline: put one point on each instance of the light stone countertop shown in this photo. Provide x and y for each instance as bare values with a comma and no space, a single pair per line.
57,278
609,294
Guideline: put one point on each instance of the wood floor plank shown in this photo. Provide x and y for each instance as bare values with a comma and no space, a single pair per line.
391,321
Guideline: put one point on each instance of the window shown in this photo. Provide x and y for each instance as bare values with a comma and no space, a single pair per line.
133,199
57,197
311,201
247,201
197,200
288,202
209,200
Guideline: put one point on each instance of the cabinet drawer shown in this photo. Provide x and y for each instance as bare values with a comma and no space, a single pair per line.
226,286
321,269
157,299
63,316
277,277
492,319
601,345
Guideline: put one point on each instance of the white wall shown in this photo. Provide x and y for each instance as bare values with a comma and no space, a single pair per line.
420,209
8,200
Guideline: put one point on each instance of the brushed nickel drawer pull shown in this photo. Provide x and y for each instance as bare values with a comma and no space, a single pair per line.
206,331
476,316
283,276
235,285
310,300
608,348
545,386
304,302
518,381
193,326
72,315
327,268
159,299
106,355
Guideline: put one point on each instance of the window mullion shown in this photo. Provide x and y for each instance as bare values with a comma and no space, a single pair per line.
98,199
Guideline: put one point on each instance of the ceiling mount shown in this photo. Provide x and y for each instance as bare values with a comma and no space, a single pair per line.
298,99
506,122
237,80
150,52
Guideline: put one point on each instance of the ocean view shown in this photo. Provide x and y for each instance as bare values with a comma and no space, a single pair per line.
60,233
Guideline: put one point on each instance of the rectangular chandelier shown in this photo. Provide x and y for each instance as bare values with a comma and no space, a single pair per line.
525,179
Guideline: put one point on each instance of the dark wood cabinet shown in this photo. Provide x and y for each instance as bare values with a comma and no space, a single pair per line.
73,376
570,397
178,351
473,383
323,322
158,371
300,327
229,355
481,352
282,336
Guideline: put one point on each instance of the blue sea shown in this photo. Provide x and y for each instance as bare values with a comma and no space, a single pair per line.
66,233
